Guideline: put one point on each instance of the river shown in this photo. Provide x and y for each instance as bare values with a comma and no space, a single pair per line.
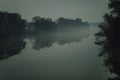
58,57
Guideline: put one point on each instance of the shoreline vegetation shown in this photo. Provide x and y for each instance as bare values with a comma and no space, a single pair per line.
109,39
14,29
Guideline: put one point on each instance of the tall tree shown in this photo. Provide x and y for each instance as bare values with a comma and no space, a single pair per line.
109,38
12,27
11,24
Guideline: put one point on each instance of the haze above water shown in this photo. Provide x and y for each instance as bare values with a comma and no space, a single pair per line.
66,54
63,55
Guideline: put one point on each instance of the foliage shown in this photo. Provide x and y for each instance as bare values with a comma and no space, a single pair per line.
11,24
110,31
12,28
39,24
70,22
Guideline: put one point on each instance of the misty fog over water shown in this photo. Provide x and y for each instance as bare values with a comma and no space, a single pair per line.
62,55
59,40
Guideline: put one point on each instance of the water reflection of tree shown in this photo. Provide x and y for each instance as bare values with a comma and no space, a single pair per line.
42,40
46,42
10,47
47,39
43,32
12,28
109,38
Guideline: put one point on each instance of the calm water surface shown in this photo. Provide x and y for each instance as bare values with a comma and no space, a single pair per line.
70,55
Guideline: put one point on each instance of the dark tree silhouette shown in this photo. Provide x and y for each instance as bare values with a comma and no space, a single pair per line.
43,32
39,24
12,28
11,46
70,22
109,38
47,39
11,24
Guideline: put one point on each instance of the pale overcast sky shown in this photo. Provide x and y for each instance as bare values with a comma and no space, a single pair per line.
88,10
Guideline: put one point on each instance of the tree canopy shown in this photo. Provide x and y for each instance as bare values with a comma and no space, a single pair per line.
109,38
12,27
11,24
70,22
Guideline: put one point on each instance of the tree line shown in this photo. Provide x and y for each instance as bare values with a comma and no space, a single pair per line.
13,30
12,24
